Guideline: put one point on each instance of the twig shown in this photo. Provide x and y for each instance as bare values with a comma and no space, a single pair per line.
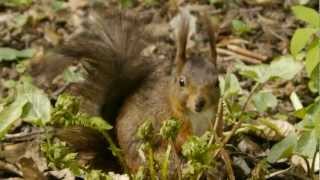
238,124
4,166
218,125
226,158
244,58
22,135
246,52
277,173
314,162
236,41
56,93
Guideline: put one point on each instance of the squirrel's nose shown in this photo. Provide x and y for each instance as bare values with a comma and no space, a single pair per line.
200,104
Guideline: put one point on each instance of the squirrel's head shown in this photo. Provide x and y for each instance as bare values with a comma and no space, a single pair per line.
194,85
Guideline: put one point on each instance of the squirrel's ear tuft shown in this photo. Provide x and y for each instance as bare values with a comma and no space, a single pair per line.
182,38
212,39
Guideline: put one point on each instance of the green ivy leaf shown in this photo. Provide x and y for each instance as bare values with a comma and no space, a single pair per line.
229,86
71,75
308,15
9,115
9,54
307,144
264,100
283,149
313,56
284,67
300,39
38,110
314,83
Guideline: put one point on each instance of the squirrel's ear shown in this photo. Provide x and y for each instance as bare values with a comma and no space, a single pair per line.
212,39
181,39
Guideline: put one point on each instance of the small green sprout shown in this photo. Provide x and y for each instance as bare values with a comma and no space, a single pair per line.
170,129
145,131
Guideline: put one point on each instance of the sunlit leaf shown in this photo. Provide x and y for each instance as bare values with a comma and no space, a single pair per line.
9,115
283,149
307,14
229,86
307,144
9,54
300,39
264,100
284,67
313,56
15,3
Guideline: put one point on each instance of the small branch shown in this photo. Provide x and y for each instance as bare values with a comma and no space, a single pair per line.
277,173
244,107
226,158
314,162
21,136
219,122
247,53
4,166
239,56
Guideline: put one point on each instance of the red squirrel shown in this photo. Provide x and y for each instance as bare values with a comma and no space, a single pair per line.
129,88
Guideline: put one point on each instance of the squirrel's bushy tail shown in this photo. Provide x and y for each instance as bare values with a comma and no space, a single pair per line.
110,49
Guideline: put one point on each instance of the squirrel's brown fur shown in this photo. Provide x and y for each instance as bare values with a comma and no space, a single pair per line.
190,94
110,51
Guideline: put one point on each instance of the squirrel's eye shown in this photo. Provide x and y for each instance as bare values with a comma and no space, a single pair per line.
182,81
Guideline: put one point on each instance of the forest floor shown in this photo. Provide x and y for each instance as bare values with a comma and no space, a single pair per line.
250,33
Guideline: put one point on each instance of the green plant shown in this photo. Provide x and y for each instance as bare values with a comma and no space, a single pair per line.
305,140
239,27
307,40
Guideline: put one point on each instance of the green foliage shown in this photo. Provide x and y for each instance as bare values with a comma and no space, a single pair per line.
284,67
60,156
57,5
313,56
264,100
304,143
10,114
97,175
126,3
308,15
165,163
73,75
9,54
283,149
67,113
229,86
15,3
170,129
240,27
145,131
193,170
198,151
300,39
308,39
198,148
30,104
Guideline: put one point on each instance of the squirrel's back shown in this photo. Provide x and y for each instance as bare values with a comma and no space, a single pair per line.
109,48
